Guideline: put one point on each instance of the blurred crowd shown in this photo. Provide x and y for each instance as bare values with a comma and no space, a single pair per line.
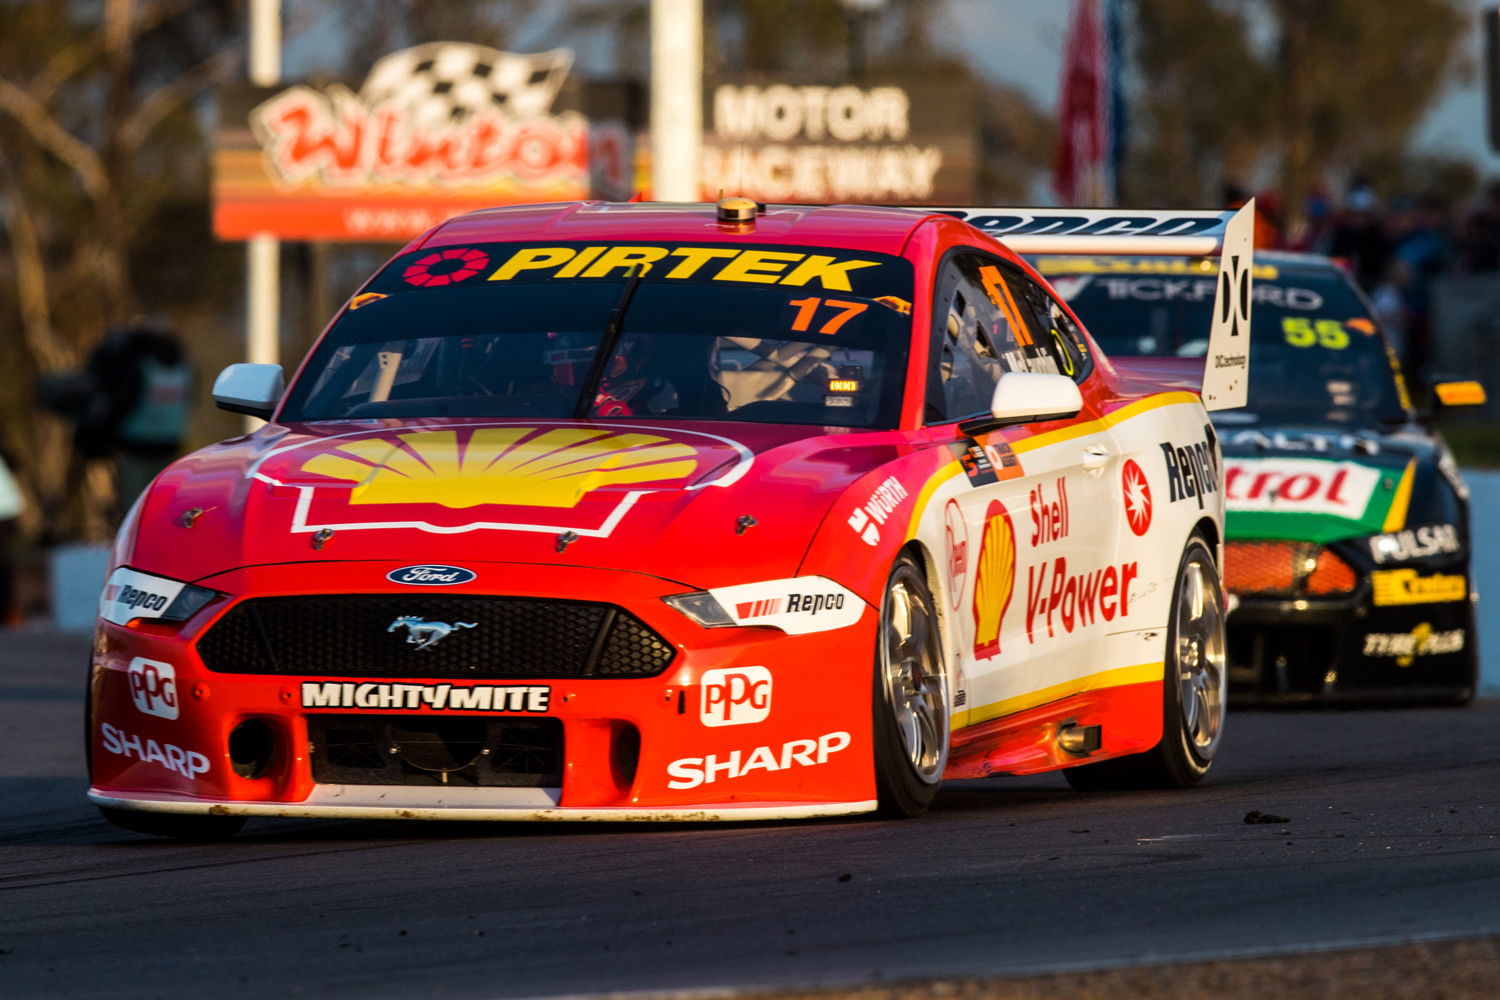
1394,247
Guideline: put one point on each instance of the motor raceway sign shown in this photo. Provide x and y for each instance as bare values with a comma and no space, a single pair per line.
433,131
781,142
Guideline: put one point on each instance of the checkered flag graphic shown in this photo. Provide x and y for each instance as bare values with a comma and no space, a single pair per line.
445,83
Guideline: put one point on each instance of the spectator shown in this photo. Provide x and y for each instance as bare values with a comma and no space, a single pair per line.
1359,237
11,506
1478,247
130,403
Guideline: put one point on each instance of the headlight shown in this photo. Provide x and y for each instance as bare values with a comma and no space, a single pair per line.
796,606
701,607
130,594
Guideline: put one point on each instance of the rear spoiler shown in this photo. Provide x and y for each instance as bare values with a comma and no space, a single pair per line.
1231,235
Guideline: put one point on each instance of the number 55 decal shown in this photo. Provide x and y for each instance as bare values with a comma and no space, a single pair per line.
1302,332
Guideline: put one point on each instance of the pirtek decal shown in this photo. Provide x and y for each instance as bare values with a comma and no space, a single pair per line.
766,267
1192,470
690,772
1405,586
1075,600
438,697
188,763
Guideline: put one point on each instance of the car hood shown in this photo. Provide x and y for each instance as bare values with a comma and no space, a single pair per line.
1322,483
708,505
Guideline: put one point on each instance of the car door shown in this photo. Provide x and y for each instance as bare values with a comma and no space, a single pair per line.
1030,514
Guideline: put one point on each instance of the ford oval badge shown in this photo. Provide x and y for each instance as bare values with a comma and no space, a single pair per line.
431,576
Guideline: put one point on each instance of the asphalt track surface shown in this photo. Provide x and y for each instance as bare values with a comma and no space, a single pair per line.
1389,833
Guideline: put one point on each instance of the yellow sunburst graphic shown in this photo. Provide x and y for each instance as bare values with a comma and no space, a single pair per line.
501,465
994,579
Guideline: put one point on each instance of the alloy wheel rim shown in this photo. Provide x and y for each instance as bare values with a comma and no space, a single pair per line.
1201,674
916,687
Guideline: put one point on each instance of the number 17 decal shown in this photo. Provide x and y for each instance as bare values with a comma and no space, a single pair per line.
844,312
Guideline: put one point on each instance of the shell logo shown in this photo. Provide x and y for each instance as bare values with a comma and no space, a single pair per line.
514,466
994,579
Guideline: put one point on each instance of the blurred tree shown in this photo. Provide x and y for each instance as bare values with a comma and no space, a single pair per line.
103,183
1200,113
1309,93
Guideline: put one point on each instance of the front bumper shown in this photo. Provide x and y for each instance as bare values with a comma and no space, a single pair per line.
745,723
1346,649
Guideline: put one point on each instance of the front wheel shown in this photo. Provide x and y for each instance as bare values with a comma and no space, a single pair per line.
911,696
1192,689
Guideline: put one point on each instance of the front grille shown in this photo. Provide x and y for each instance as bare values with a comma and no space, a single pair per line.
431,750
1285,569
359,635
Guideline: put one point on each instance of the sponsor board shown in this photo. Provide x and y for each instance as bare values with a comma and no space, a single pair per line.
1192,469
1137,497
438,697
153,687
874,512
129,594
735,696
431,576
188,763
1407,586
994,579
1299,485
1065,601
1415,543
691,772
798,606
1420,641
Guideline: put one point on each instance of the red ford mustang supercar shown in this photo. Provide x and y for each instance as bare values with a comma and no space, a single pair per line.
604,511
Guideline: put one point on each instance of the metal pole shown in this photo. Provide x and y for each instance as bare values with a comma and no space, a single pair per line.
263,252
676,98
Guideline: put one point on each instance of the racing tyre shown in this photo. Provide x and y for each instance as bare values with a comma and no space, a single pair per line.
1192,692
911,696
175,825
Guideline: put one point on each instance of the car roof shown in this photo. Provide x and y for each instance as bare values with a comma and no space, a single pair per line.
877,229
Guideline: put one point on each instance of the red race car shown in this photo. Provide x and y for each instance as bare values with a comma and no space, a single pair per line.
604,511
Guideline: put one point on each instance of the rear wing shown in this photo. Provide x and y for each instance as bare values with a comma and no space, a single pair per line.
1106,231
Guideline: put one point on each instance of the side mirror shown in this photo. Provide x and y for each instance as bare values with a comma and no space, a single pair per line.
1027,397
1450,391
248,388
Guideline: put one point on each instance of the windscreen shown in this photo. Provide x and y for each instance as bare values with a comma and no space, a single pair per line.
1317,354
785,334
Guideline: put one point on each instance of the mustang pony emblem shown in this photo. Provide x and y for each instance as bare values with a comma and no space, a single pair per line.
425,633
